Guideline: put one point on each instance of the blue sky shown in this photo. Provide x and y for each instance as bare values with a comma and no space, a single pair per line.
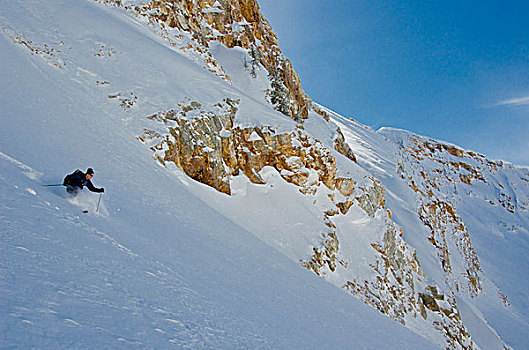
456,71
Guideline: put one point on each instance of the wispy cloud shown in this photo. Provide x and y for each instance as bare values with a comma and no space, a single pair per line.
519,101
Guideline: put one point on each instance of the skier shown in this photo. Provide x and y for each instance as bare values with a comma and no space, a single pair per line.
75,182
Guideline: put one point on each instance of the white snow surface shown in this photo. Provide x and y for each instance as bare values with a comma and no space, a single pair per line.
156,266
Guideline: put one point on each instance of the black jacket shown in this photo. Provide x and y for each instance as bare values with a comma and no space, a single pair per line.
78,179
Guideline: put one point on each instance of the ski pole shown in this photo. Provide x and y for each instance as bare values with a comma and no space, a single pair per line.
53,185
98,202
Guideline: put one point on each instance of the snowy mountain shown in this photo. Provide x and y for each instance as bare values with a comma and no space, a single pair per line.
237,213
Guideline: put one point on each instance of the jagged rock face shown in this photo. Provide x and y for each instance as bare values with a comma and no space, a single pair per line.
450,169
396,291
374,198
393,292
341,146
210,149
398,288
437,210
235,23
325,257
345,186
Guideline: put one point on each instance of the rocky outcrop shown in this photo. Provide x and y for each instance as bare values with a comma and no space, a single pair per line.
451,165
208,147
343,147
442,219
324,257
373,197
49,53
399,291
236,23
393,292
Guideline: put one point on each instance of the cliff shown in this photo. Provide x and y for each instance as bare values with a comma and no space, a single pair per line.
209,146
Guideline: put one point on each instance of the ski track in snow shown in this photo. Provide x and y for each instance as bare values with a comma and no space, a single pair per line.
28,171
131,285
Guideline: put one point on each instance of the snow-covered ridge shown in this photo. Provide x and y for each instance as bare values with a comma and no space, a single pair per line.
463,199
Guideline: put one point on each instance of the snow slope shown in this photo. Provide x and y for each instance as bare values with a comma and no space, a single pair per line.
156,266
494,209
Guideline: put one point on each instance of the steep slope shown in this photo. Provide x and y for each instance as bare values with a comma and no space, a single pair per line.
467,211
431,235
156,267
